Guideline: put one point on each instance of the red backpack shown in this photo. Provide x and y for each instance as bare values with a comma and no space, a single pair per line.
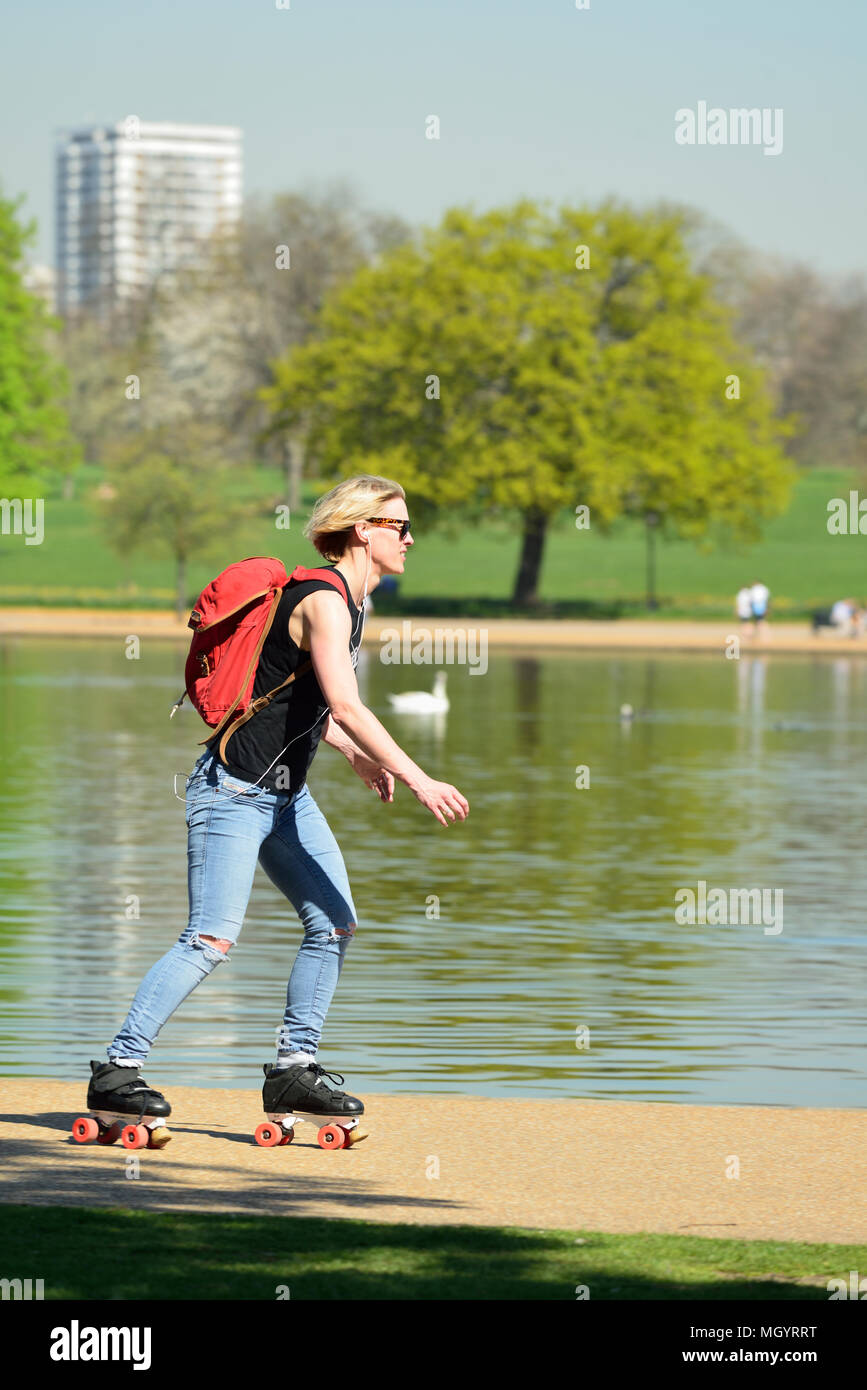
230,620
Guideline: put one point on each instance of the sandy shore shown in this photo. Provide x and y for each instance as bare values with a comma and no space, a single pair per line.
789,638
571,1164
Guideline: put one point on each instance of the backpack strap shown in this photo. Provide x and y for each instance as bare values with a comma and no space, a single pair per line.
223,731
250,669
254,708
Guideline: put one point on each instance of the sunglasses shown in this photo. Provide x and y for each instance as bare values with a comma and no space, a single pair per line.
391,521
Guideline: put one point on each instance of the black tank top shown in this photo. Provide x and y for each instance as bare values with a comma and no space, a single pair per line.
297,710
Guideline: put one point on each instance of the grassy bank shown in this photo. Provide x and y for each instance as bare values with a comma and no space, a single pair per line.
105,1254
584,573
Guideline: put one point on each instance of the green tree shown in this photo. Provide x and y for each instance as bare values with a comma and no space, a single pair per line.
700,438
99,353
211,329
170,488
35,446
528,362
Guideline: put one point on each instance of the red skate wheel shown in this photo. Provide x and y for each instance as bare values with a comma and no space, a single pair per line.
84,1130
110,1134
268,1135
134,1136
331,1137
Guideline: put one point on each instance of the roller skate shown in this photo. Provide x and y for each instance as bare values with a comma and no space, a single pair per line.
299,1093
116,1094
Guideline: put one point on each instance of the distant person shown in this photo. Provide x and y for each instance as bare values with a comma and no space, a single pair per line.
841,613
744,608
760,598
837,617
846,617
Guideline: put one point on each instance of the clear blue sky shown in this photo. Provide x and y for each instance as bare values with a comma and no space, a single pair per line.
535,98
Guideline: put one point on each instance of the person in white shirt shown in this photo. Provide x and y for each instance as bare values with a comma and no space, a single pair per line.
744,608
760,596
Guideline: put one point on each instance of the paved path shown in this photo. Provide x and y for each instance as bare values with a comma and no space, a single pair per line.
791,638
603,1166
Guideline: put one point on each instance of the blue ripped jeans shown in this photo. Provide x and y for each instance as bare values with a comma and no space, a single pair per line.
232,825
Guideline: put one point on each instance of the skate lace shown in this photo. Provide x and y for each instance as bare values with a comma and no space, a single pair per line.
140,1084
140,1091
320,1071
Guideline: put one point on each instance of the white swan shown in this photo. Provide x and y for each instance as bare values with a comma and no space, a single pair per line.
422,701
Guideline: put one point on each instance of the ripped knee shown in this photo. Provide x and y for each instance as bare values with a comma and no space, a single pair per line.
337,933
216,943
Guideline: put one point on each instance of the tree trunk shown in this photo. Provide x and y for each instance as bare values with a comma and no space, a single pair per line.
532,546
294,456
181,582
650,524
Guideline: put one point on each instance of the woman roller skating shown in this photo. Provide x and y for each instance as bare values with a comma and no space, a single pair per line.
250,803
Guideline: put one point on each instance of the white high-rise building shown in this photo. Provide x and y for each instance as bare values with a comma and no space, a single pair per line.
137,199
41,280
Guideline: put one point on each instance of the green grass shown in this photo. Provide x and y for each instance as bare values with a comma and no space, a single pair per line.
584,573
102,1254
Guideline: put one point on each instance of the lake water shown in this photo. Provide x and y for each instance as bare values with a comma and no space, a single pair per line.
556,903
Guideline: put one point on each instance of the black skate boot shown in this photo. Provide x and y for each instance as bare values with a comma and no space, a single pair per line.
300,1093
123,1106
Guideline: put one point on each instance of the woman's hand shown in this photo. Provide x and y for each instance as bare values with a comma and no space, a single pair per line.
441,799
378,778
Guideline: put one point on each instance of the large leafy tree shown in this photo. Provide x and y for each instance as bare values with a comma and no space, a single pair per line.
35,447
527,362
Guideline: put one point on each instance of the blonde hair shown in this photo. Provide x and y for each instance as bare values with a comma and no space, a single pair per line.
355,499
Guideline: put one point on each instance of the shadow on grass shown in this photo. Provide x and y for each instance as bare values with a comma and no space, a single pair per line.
110,1254
438,605
668,608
